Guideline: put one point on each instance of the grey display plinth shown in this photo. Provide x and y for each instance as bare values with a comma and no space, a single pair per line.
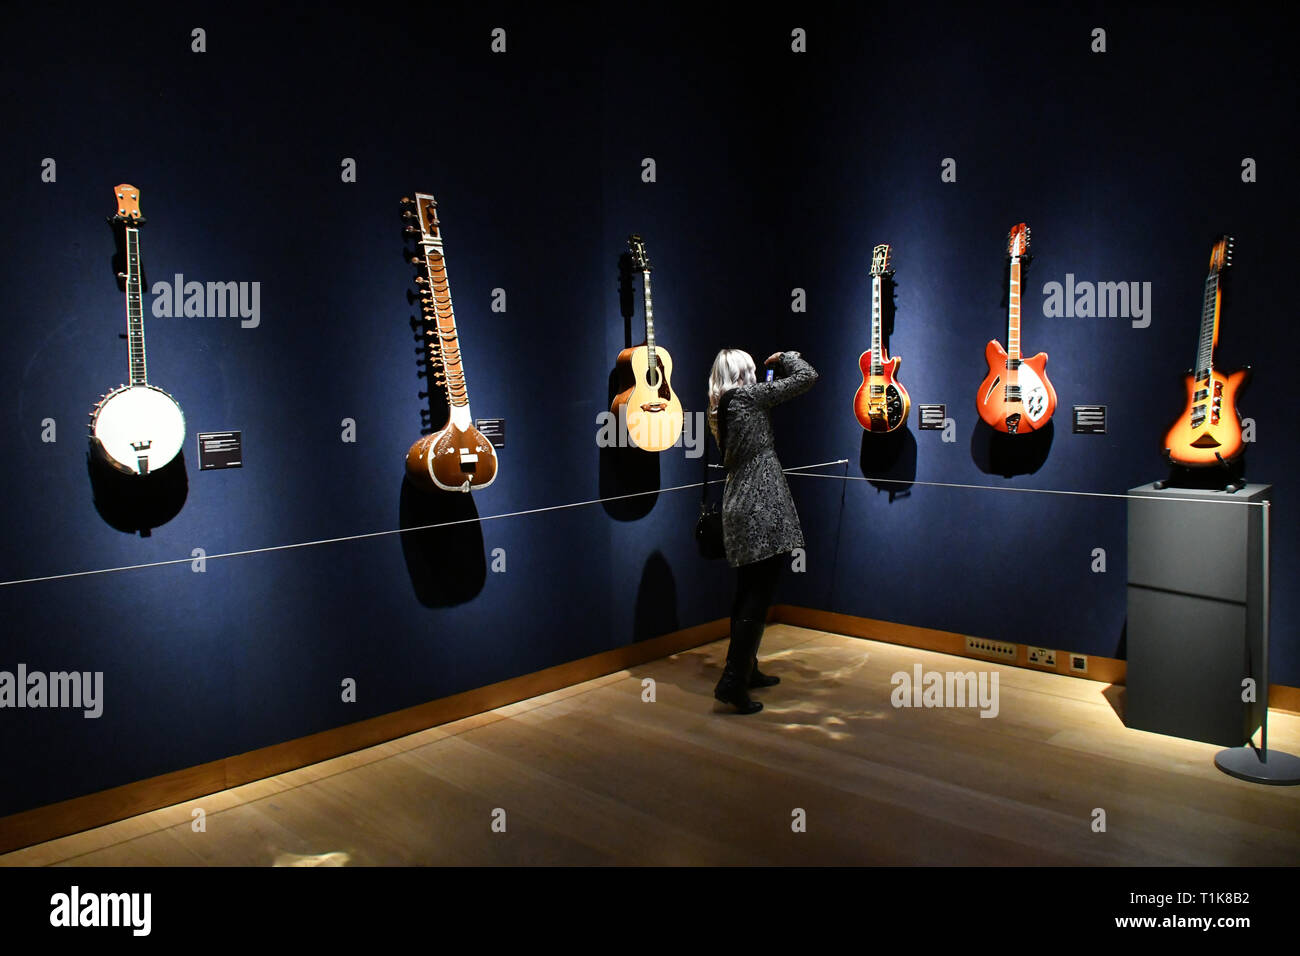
1197,585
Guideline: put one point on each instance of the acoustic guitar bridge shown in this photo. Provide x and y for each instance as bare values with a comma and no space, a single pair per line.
654,406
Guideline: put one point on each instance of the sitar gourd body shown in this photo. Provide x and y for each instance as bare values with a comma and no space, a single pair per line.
454,459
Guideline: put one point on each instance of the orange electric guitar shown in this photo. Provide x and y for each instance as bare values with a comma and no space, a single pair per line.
654,413
1015,397
882,403
458,457
1208,432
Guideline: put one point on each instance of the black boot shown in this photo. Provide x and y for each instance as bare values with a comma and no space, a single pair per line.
733,688
758,679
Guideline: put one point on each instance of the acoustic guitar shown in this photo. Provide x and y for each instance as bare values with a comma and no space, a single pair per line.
653,412
136,428
881,403
457,457
1208,432
1016,396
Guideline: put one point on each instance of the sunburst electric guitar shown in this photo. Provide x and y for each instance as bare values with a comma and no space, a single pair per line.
881,403
654,414
1208,432
137,428
458,457
1015,397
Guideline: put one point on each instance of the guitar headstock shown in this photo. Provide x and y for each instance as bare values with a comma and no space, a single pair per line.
127,199
1018,241
1221,254
880,260
640,259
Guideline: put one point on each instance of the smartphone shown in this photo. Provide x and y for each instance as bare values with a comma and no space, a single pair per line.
770,373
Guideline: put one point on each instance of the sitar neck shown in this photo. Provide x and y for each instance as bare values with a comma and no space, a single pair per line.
445,344
1209,326
1013,312
134,309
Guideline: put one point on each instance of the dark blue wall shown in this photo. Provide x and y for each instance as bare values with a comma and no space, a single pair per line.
774,171
1127,166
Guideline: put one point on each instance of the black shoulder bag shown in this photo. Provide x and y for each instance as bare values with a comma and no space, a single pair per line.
708,527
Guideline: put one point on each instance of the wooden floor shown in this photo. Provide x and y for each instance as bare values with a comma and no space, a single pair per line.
594,775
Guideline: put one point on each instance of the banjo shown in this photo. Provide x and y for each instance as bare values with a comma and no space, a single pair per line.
137,428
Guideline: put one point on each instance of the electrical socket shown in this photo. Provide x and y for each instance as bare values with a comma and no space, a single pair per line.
999,649
1079,663
1042,656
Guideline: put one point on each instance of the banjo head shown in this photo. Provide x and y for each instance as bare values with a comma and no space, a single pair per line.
138,428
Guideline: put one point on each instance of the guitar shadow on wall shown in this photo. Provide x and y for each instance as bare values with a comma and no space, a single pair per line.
624,468
888,461
656,600
995,453
136,504
446,564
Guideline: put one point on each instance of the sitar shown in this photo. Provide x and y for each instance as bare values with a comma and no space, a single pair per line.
1016,396
881,403
136,428
1208,432
654,413
457,457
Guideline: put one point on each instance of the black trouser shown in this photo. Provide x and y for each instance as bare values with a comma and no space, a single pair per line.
755,588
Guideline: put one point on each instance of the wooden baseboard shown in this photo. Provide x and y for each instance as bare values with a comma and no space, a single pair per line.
107,806
1108,669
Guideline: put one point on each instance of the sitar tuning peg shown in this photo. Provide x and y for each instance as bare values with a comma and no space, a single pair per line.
410,229
406,200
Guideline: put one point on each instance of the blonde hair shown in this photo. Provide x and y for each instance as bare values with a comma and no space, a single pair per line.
731,369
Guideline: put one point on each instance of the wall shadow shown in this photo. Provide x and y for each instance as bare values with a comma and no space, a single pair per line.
446,565
627,470
656,600
888,461
995,453
136,504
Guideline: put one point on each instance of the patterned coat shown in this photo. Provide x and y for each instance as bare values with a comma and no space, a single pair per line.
758,516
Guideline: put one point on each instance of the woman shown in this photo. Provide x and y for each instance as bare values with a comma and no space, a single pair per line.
759,524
